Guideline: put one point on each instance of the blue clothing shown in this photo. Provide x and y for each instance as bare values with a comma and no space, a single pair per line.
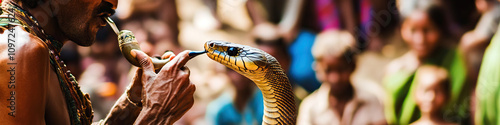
301,71
222,111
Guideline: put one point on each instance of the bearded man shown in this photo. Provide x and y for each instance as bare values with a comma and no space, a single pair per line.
37,88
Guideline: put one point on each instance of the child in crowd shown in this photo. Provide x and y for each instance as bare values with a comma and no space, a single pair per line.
432,94
338,101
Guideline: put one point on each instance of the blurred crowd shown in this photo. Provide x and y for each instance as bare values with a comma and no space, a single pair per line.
349,61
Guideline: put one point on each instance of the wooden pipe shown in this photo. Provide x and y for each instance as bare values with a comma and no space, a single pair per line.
127,43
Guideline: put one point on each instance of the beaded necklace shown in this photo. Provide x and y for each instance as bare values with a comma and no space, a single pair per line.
78,104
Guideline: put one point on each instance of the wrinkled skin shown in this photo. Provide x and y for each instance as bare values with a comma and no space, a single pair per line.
168,94
39,99
75,20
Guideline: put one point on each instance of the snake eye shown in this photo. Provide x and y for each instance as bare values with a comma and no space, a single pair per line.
232,51
211,44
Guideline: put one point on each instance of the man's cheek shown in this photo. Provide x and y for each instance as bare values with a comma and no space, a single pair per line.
320,76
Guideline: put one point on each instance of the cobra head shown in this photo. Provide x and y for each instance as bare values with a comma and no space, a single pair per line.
243,59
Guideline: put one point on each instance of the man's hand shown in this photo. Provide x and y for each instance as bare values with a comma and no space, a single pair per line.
166,96
134,92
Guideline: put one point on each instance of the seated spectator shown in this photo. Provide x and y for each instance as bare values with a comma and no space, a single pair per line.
428,37
243,105
337,101
431,95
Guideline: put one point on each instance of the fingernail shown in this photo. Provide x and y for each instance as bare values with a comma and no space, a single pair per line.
133,53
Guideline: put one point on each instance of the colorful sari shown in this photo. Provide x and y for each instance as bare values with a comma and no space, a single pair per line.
401,107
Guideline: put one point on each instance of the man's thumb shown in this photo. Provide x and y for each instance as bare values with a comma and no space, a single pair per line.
144,60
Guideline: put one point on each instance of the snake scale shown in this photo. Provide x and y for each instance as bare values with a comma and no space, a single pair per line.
265,71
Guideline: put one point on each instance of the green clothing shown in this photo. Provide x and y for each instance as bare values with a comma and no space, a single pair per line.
487,89
401,107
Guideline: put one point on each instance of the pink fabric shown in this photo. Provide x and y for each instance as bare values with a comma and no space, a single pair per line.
328,16
365,11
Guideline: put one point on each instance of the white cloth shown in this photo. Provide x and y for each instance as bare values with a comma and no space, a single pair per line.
363,109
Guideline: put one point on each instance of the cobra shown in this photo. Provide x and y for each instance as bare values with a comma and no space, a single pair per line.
265,71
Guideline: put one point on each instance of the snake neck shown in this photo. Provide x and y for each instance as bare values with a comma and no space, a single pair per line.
279,103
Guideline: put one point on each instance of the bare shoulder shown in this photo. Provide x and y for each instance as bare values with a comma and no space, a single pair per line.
23,44
25,67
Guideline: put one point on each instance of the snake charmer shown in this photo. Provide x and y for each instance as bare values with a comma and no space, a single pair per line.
40,89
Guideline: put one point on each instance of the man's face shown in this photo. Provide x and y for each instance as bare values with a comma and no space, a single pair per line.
79,20
334,70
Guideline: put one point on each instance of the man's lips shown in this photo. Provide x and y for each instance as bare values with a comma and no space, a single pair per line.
102,16
102,22
104,10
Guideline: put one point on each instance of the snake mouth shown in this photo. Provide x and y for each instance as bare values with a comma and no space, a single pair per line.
193,54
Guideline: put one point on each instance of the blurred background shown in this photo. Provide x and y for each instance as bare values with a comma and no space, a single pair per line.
383,44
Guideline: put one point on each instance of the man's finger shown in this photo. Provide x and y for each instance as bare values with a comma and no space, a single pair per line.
144,61
138,75
168,55
181,59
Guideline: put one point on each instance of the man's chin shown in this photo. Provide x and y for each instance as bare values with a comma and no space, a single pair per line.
84,43
81,37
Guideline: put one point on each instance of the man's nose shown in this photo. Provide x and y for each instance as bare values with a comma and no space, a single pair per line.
114,2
